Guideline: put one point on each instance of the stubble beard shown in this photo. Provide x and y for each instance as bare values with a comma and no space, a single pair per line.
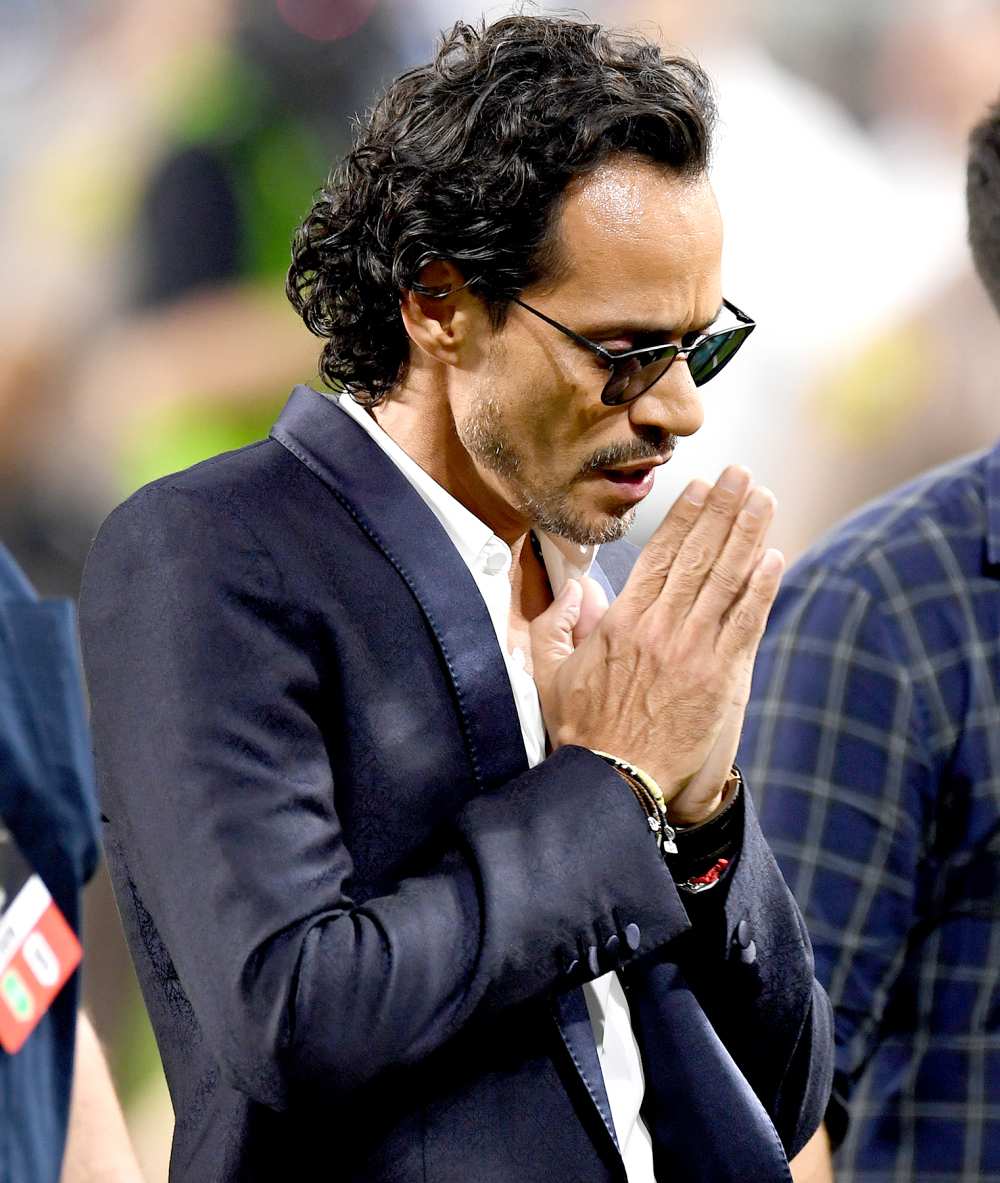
485,436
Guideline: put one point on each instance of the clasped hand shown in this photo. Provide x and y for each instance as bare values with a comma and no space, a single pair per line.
662,677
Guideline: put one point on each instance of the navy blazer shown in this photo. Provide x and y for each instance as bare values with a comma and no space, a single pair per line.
360,922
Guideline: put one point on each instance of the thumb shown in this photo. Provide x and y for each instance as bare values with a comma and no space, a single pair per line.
593,605
552,630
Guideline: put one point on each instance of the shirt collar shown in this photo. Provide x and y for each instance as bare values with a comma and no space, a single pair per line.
14,584
471,537
993,505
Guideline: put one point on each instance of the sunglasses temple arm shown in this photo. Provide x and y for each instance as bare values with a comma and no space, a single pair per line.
591,345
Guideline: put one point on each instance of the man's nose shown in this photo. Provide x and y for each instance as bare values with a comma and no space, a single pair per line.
673,406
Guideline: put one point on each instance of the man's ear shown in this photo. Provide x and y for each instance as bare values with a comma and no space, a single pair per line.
439,325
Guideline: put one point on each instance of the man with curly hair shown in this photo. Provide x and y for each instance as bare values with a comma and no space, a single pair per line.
435,866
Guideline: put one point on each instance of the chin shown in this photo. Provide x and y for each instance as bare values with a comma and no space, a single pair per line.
586,528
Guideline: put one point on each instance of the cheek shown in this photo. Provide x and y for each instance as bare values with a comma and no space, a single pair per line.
553,414
556,435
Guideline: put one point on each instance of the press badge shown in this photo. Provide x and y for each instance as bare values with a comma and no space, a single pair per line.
38,949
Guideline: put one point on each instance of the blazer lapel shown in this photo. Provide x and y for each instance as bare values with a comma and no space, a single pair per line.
573,1022
706,1122
571,1010
384,504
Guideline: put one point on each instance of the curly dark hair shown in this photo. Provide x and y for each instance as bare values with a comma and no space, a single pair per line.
983,197
465,159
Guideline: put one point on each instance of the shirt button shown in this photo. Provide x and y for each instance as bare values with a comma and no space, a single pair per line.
495,562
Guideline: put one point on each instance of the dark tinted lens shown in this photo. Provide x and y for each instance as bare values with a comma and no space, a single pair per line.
634,376
714,352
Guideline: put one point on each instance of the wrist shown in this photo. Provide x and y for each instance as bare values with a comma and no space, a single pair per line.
706,851
698,814
692,820
699,854
650,797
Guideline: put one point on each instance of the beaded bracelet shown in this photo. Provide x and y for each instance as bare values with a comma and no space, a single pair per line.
704,843
650,796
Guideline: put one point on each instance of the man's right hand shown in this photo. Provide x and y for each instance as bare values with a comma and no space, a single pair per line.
662,678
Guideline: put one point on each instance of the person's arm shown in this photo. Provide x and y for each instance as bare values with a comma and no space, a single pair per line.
98,1149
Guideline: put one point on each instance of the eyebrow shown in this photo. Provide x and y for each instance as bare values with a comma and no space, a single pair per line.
639,328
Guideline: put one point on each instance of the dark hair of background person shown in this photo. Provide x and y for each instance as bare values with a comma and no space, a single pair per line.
983,196
465,159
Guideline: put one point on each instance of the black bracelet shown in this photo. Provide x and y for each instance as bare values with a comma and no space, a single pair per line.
700,848
697,856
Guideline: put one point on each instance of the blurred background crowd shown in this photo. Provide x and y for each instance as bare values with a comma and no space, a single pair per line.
155,159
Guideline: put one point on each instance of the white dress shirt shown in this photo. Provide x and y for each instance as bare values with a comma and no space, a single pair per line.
488,559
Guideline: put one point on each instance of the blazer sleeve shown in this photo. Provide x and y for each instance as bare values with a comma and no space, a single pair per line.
217,785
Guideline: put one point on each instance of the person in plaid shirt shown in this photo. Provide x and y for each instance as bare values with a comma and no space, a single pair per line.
873,743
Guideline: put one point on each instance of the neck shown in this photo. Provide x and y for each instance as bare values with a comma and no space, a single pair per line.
529,581
421,423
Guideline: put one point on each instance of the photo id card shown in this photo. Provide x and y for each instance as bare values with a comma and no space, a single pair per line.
38,949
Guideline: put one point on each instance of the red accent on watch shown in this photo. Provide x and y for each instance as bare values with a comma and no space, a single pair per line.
711,875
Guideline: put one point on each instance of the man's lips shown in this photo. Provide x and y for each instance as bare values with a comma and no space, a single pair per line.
633,473
631,482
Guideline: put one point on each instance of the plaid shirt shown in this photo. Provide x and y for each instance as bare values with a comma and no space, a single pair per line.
873,741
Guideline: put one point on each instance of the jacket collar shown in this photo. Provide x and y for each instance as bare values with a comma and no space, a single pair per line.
386,506
993,506
469,534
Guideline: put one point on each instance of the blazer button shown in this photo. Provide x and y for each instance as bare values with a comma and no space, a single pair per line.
744,934
573,966
592,963
611,946
632,936
749,955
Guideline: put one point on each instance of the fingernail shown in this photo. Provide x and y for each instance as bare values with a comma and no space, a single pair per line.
734,479
757,503
696,493
772,562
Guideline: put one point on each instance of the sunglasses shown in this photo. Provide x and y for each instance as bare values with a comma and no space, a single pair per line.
633,371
